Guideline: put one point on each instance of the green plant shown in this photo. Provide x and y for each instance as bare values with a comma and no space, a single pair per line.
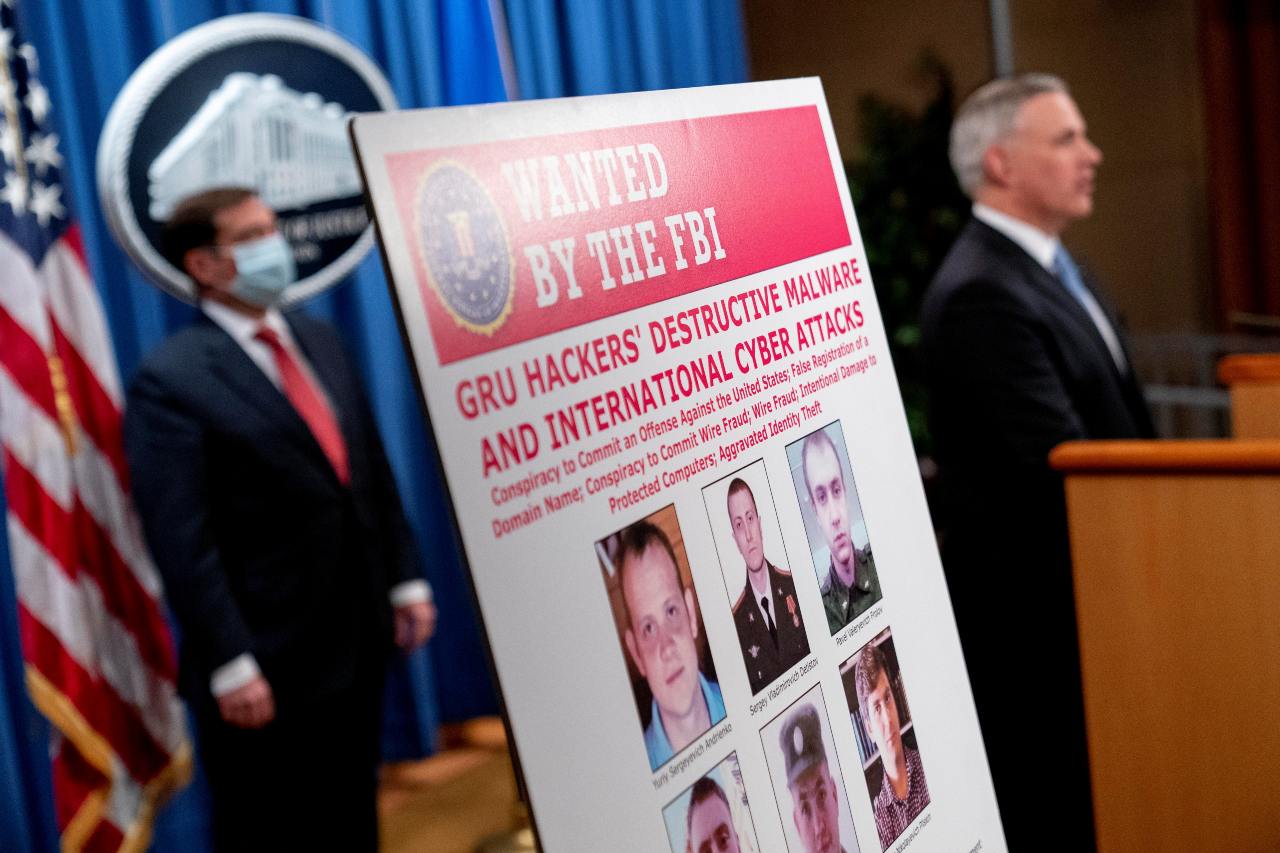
910,210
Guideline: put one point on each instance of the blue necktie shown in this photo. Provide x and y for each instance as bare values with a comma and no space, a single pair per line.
1069,274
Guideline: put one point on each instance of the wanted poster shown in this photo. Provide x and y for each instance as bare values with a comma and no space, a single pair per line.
652,359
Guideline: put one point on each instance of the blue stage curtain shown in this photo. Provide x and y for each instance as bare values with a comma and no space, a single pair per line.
434,52
593,47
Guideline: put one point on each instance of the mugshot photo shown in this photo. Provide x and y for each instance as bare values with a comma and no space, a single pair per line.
807,781
655,610
712,814
885,736
834,524
757,574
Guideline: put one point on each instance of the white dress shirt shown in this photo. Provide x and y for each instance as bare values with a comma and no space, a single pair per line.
243,329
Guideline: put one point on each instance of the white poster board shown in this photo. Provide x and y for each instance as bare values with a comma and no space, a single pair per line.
657,375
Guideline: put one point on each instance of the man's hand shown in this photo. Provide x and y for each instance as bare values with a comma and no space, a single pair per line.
249,707
415,623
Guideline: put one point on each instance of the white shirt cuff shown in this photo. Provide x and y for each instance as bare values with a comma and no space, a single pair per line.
234,674
410,592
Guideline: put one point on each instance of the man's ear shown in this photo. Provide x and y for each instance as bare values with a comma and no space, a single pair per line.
995,165
205,267
693,614
630,640
197,263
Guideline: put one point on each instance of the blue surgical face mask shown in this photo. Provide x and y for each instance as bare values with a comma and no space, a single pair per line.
264,270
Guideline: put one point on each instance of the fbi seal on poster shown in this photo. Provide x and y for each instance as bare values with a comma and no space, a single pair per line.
465,248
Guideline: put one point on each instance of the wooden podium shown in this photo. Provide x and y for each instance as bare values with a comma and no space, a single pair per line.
1176,552
1254,381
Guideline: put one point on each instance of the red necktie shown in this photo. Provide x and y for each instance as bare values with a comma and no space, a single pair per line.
309,402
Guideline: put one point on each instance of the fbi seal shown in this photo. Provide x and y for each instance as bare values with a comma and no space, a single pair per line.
465,248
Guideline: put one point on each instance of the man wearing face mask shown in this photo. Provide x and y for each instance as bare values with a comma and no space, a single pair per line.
271,512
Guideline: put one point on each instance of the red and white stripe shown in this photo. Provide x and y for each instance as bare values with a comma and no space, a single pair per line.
100,658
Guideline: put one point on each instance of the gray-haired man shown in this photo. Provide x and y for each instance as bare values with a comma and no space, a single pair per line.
1022,354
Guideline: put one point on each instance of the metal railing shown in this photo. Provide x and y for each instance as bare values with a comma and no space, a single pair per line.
1179,372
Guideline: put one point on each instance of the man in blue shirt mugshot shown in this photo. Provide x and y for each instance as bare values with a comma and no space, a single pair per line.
661,639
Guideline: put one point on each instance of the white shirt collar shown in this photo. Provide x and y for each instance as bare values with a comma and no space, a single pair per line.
241,327
1031,239
767,594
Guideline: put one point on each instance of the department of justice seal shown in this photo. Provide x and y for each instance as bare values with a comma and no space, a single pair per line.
255,100
465,248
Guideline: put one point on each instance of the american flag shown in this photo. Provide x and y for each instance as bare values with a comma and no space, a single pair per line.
99,657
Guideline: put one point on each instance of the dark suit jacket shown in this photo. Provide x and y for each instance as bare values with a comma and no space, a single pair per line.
261,548
1016,366
766,661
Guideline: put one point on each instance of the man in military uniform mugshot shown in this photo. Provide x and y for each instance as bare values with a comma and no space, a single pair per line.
815,803
850,584
766,613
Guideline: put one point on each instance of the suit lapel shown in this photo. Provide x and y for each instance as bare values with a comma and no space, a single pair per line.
1046,284
1108,311
230,363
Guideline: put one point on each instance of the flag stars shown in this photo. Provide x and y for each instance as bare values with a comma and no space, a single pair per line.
14,192
28,54
46,203
37,101
42,153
